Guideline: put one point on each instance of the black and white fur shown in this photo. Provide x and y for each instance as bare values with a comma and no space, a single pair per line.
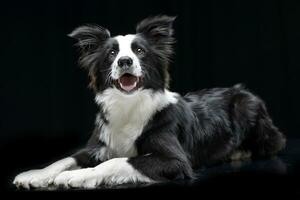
146,133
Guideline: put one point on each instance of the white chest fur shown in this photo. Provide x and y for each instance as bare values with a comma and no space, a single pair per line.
127,115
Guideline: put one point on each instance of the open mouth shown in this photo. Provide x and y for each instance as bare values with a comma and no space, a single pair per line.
128,82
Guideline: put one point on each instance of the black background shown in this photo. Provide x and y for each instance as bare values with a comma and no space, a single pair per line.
46,109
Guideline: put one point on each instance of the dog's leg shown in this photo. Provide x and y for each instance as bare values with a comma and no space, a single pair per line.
165,162
41,178
112,172
142,169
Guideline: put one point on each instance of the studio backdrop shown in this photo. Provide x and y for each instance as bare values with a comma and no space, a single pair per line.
45,102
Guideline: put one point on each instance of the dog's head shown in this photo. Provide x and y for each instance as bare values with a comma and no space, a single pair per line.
131,62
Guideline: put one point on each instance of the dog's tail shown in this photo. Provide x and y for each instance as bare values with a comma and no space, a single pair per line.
263,138
266,139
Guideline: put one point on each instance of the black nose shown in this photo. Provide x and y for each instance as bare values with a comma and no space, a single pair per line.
125,61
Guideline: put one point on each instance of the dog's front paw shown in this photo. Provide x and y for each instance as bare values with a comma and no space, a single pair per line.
39,178
82,178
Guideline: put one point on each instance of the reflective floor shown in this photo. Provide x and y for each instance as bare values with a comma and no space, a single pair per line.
278,175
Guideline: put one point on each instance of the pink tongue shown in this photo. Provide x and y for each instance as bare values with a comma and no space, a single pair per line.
128,82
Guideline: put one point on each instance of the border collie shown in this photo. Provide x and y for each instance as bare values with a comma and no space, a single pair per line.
145,133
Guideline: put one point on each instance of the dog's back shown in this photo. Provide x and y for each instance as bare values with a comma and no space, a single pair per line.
230,122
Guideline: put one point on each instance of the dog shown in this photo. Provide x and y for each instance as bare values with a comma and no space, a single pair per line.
144,133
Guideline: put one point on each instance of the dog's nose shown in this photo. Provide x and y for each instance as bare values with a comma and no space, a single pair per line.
125,61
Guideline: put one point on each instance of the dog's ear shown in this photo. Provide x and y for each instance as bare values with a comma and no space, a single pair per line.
156,28
89,37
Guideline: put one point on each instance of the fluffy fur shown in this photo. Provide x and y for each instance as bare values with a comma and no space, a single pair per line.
145,133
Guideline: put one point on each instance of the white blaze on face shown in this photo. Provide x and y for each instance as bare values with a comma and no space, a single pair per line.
125,49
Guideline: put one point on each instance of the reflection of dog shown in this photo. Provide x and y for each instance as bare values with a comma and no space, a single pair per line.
146,133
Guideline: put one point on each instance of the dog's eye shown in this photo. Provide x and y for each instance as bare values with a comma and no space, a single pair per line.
140,50
112,52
